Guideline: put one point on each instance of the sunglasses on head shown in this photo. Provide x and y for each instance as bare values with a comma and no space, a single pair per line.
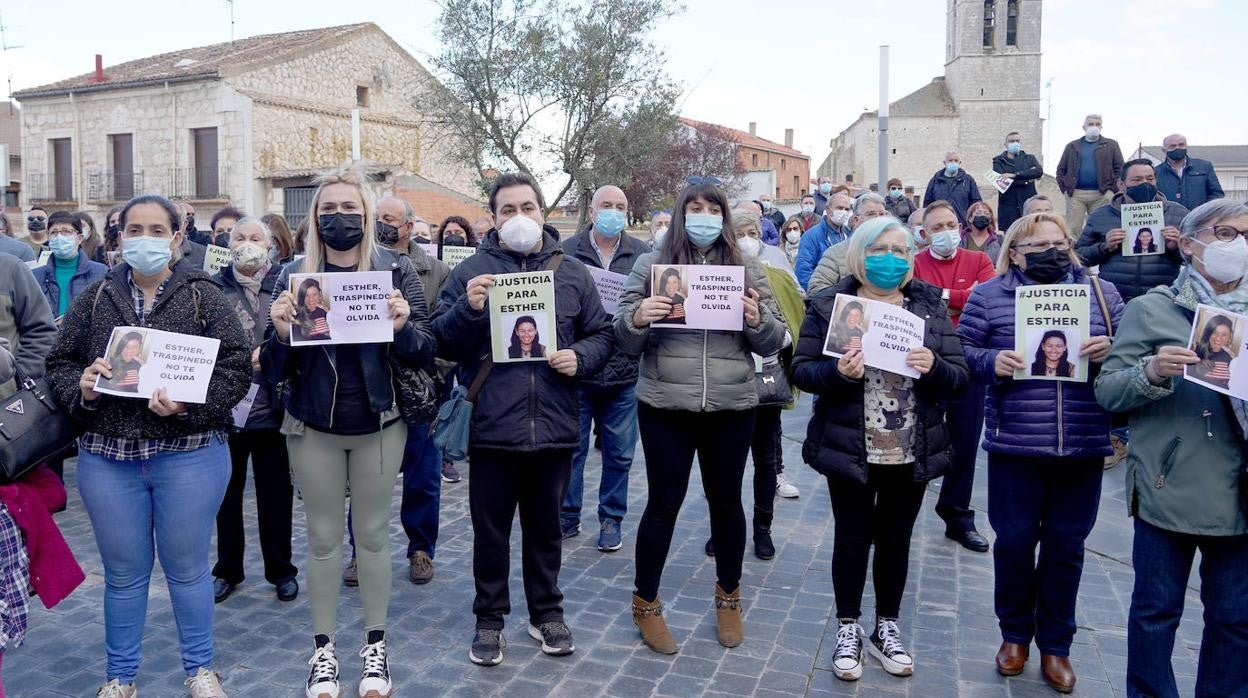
695,181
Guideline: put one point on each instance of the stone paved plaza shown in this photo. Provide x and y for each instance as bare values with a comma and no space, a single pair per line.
262,645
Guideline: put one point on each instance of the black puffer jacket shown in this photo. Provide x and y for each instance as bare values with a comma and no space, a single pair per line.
190,304
264,414
526,406
621,369
310,371
836,437
1132,275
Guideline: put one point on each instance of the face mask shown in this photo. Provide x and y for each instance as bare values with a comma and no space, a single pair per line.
840,218
980,222
825,188
793,236
916,232
1141,193
1047,267
610,222
703,229
35,224
1177,154
885,271
112,230
147,255
895,193
1225,261
249,257
520,233
387,234
190,225
63,247
750,247
222,240
659,235
340,231
951,168
808,209
1093,132
454,241
945,242
1013,147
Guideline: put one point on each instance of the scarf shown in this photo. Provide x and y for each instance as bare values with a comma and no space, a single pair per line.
251,285
1191,289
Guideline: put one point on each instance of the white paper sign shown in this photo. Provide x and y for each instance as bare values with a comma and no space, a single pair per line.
1218,338
998,180
704,297
1143,223
610,286
885,333
42,259
342,308
454,254
144,359
430,248
216,257
243,409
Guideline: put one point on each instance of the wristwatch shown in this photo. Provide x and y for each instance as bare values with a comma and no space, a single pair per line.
944,295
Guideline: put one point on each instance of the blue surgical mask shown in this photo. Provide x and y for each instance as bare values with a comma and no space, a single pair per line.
63,247
895,193
826,188
885,271
1013,147
146,255
610,222
945,242
951,168
808,209
703,229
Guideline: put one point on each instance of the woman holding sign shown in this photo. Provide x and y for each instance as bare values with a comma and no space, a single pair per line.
696,396
1184,468
877,436
1046,442
345,421
152,472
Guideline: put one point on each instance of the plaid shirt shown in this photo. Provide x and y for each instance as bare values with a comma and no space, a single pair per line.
14,582
141,309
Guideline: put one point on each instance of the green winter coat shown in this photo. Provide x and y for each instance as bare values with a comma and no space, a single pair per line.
1186,445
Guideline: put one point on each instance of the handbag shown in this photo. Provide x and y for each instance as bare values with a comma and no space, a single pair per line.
416,391
33,428
771,379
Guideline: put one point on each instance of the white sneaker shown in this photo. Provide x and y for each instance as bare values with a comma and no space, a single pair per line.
785,489
375,679
206,683
116,689
886,646
323,679
847,661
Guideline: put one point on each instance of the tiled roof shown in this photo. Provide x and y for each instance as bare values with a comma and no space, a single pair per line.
744,138
198,63
1219,155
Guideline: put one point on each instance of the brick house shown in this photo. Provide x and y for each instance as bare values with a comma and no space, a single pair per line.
771,168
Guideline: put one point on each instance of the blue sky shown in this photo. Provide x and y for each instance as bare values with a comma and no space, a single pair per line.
1150,67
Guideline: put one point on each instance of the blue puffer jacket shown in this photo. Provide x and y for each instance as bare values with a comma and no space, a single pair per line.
814,243
88,273
1019,415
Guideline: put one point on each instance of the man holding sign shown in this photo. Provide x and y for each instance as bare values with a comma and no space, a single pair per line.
524,419
608,398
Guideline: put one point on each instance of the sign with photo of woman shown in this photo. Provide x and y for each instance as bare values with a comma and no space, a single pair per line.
883,332
1143,223
522,316
1218,338
143,359
342,308
1050,325
703,296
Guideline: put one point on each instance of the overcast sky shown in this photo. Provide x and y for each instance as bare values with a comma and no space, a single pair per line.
1149,66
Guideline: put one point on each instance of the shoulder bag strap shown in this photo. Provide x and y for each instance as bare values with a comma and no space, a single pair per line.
1100,299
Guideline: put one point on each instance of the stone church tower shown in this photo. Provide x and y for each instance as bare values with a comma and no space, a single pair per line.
991,86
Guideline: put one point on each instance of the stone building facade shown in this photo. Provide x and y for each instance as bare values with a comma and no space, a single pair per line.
249,123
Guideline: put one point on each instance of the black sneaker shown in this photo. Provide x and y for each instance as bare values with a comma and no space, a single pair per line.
323,678
449,473
847,659
886,646
375,678
487,647
555,637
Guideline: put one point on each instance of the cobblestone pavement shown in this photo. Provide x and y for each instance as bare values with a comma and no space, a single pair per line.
262,645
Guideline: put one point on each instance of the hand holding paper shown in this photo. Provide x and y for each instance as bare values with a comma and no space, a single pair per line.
1169,361
478,290
282,312
564,361
1114,238
852,365
921,359
652,309
1096,349
750,308
1007,363
86,384
1171,234
400,311
163,406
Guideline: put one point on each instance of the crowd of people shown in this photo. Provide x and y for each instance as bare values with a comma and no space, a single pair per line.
341,422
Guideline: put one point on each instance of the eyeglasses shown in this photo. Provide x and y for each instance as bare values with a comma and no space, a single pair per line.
695,181
894,250
1063,246
64,231
1225,233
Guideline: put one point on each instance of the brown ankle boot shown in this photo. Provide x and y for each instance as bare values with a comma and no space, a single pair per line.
649,619
728,620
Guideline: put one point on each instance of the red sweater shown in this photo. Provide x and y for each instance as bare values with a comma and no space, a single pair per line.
958,275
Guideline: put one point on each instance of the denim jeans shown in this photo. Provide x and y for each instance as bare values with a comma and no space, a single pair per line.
171,501
422,490
1163,562
615,410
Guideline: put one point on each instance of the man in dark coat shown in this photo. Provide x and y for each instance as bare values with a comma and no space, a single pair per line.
1022,169
1186,180
954,185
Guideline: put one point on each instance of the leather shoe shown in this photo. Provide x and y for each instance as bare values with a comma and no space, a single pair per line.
222,589
971,540
1011,658
288,590
1058,673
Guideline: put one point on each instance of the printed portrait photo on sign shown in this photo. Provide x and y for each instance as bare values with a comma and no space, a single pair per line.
126,354
311,311
1054,353
1216,341
849,324
669,282
526,340
1143,241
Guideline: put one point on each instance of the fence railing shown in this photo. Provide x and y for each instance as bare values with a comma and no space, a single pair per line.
175,183
114,186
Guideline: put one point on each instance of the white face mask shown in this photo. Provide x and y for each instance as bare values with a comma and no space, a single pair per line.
750,247
945,243
840,218
1225,261
520,233
1093,132
658,235
793,236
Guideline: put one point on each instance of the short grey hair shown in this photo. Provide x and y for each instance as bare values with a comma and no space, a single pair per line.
252,220
868,197
1031,199
1092,116
1211,213
953,151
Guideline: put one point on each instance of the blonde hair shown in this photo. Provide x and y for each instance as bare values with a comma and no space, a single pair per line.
355,175
1024,228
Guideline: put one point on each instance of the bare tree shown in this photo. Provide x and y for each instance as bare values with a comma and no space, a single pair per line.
530,84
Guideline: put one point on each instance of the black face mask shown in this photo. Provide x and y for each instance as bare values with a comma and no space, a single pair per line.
454,241
1177,154
980,222
1141,193
423,240
222,240
340,231
190,225
387,235
1047,267
35,224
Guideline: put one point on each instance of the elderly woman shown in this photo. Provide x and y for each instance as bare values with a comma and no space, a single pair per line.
248,283
1046,440
877,463
1184,465
747,224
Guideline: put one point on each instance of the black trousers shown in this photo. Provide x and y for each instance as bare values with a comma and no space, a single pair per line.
766,455
270,465
881,512
670,439
501,482
965,420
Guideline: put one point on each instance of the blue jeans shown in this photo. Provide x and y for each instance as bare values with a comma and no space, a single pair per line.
1163,562
422,490
615,410
170,500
